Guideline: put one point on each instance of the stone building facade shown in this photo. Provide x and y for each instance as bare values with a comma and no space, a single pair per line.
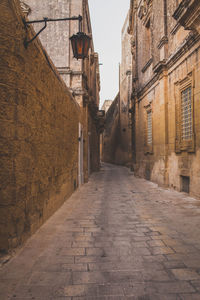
166,91
110,138
106,105
116,139
81,77
43,129
125,96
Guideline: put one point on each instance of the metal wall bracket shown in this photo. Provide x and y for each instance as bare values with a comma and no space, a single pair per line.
45,21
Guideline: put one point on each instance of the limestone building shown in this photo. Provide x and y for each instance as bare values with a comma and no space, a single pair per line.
166,92
106,105
125,96
116,139
81,77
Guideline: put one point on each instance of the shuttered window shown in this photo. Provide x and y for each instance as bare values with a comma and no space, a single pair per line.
149,128
186,114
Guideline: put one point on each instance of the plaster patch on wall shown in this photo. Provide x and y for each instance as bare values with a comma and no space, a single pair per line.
173,171
158,172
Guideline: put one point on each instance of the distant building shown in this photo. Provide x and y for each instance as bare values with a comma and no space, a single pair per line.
116,140
106,105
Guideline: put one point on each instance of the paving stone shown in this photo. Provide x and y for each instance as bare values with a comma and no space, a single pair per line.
103,266
154,258
156,243
192,263
72,251
153,233
78,291
95,251
110,290
48,278
173,287
184,249
174,264
161,250
74,267
190,297
32,292
89,277
185,274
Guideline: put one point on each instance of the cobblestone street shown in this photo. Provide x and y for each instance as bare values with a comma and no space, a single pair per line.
117,237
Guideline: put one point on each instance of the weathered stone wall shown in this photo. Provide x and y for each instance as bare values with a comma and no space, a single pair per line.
125,96
111,135
81,77
39,133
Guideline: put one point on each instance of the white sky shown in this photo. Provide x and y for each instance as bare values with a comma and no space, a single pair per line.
107,18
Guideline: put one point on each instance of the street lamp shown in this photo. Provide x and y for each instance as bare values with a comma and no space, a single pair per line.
80,42
80,45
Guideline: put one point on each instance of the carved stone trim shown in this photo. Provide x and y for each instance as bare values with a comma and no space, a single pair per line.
188,43
187,14
163,41
147,65
25,8
159,67
175,29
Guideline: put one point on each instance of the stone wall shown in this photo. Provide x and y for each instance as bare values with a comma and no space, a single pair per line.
81,77
39,133
125,96
111,134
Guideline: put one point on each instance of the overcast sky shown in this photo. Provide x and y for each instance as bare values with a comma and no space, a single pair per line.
107,18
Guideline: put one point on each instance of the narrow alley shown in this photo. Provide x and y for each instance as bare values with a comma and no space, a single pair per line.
117,237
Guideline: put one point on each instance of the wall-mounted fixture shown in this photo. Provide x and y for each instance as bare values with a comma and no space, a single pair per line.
80,42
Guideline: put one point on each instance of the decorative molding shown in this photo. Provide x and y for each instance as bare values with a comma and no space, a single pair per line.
25,8
147,65
160,66
145,11
147,86
187,14
175,29
191,40
188,43
163,41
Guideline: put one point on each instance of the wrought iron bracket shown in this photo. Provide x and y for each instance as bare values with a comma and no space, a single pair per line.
45,21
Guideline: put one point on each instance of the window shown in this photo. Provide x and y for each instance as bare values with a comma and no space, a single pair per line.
149,128
185,137
186,114
148,136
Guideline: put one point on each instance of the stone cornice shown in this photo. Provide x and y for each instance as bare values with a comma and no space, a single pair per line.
163,41
147,65
187,14
67,70
188,43
143,90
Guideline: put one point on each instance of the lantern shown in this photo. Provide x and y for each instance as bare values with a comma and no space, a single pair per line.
80,45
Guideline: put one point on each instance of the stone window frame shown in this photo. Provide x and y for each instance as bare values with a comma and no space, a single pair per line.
148,148
180,86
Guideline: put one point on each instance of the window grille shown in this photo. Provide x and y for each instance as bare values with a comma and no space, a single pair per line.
186,114
149,128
